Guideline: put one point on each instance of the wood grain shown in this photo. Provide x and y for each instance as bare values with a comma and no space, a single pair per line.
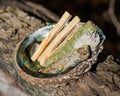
58,27
58,39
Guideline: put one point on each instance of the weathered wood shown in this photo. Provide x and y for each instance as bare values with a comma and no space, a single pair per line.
43,12
11,32
32,8
102,80
8,86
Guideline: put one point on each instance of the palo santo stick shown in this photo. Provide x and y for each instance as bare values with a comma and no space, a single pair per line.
66,39
58,39
58,27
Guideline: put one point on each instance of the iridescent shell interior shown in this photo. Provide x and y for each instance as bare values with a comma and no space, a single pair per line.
24,52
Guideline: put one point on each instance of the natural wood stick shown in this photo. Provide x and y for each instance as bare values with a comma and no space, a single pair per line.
66,39
58,39
58,27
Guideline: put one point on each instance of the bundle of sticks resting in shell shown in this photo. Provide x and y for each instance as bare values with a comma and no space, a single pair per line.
68,44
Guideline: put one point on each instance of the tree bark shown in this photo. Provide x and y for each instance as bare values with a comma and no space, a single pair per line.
102,80
31,8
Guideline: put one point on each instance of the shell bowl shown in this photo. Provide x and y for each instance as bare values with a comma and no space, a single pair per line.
29,70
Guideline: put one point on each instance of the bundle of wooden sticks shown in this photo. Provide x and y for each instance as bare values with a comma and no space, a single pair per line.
60,33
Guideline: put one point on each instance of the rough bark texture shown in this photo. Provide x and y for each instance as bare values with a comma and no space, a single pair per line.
33,9
102,80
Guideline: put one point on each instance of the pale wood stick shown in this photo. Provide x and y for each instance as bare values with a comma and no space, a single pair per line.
58,39
66,40
58,27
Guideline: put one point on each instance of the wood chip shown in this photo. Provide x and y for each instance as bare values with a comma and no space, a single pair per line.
58,27
58,39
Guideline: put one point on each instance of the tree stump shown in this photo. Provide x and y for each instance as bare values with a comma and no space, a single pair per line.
102,80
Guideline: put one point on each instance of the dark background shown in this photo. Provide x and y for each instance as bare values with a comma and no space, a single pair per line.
95,10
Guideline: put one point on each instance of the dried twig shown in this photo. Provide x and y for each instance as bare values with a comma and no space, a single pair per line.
113,16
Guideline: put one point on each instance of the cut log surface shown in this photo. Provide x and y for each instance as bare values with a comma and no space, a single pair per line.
104,80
